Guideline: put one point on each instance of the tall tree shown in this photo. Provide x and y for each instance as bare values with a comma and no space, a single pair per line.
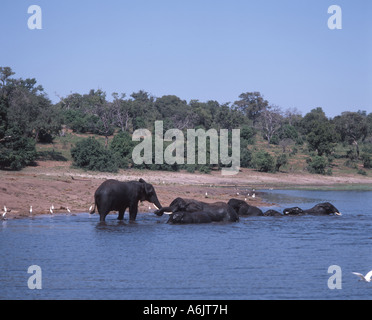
251,104
352,127
320,132
121,109
271,119
102,109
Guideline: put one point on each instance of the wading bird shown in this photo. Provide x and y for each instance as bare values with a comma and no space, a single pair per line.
366,278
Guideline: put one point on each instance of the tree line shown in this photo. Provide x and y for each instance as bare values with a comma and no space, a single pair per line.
27,116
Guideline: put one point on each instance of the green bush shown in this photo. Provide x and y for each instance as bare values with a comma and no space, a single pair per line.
245,158
318,165
263,161
17,151
281,160
367,162
89,154
122,145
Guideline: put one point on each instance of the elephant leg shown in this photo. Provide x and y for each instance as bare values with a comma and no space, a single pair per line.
133,209
121,214
103,212
102,215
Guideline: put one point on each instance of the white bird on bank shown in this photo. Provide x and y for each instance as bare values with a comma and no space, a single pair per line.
30,209
5,212
90,208
68,210
51,210
366,278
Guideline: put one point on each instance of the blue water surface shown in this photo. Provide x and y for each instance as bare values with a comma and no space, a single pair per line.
256,258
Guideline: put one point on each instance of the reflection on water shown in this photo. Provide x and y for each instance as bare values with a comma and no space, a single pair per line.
256,258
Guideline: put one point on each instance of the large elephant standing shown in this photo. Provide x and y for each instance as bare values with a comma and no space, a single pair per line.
184,211
244,209
116,195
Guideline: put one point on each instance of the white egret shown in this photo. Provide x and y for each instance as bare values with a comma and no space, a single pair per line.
366,278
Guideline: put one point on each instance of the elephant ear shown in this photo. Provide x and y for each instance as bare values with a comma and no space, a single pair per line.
149,189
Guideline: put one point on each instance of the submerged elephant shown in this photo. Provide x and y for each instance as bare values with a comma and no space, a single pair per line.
244,209
116,195
272,213
192,211
295,211
325,208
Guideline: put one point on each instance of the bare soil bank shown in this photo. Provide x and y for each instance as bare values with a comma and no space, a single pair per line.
56,183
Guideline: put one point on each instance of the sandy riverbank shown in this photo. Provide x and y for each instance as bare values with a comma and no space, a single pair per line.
57,184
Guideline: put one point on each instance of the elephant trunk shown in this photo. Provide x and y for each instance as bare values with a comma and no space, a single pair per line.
156,202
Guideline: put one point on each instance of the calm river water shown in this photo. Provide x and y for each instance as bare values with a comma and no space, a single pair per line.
256,258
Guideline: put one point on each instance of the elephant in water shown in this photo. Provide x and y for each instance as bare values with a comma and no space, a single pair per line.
272,213
244,209
295,211
118,196
325,208
184,211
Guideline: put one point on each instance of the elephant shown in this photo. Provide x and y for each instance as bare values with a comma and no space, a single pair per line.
294,211
324,208
184,217
272,213
116,195
244,209
192,211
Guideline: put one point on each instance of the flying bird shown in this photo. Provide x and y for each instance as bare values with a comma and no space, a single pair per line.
366,278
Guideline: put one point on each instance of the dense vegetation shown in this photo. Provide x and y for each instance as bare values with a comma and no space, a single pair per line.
270,136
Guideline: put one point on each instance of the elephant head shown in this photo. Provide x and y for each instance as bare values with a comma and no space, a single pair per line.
295,211
148,193
325,208
179,204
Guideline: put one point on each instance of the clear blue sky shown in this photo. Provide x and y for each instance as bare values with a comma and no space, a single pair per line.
196,49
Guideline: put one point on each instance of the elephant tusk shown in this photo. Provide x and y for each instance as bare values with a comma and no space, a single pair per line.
338,214
156,207
165,212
